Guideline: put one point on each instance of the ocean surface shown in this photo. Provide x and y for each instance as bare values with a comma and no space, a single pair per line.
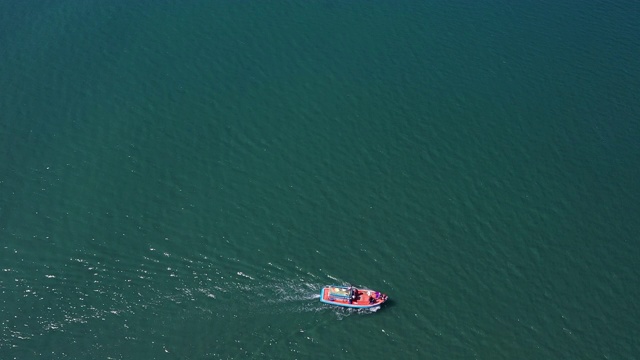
178,179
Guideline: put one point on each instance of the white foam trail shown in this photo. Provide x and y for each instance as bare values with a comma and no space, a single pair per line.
245,275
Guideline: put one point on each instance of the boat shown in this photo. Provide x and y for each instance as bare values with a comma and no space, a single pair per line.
351,297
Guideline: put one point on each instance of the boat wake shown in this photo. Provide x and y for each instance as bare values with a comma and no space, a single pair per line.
251,289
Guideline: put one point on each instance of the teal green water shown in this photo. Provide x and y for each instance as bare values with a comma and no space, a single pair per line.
178,181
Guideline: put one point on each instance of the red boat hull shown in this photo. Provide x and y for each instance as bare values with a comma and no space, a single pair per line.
351,297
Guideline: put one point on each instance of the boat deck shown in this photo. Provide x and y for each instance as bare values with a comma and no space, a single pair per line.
340,296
